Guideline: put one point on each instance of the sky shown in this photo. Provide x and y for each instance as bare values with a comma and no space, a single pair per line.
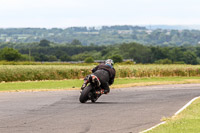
68,13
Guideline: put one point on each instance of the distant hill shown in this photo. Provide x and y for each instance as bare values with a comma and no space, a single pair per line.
149,35
173,27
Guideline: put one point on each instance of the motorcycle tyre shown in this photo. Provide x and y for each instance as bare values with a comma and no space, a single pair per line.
84,94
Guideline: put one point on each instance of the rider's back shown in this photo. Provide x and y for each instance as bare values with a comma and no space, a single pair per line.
105,72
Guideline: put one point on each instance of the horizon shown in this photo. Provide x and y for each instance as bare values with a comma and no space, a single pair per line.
157,25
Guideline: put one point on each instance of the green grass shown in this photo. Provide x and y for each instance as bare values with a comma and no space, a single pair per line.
152,79
76,83
40,85
187,121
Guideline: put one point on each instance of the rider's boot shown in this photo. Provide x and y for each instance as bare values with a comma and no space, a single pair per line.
106,91
102,91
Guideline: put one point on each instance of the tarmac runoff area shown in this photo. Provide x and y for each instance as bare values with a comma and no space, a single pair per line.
124,110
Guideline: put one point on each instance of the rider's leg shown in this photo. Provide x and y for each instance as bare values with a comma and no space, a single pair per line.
105,89
94,79
91,78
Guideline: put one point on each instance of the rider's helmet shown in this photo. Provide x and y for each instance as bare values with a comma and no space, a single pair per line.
109,62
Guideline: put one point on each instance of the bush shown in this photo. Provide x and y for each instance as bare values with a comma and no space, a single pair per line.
179,62
163,61
89,60
128,62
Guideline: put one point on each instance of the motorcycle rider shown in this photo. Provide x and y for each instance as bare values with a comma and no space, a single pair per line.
103,75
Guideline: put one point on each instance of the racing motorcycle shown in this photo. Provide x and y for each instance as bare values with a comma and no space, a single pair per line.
90,91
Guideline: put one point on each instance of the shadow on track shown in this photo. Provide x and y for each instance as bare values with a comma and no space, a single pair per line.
111,103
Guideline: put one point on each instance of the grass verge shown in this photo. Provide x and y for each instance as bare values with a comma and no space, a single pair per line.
76,83
187,121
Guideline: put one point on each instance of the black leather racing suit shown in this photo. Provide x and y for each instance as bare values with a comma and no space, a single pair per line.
106,75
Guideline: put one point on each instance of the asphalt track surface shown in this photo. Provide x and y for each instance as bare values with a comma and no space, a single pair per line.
125,110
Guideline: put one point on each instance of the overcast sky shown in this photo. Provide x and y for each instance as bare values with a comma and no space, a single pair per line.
67,13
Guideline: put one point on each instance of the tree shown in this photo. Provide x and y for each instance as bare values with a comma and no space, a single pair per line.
25,57
44,43
10,54
176,54
159,53
65,57
117,58
81,56
190,58
138,52
75,42
41,57
52,58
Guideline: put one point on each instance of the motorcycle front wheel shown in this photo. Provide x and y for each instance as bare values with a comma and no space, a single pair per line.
84,94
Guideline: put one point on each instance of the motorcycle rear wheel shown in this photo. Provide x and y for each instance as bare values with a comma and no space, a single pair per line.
95,99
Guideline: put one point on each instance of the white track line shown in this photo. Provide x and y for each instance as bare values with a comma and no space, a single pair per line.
179,111
184,107
153,127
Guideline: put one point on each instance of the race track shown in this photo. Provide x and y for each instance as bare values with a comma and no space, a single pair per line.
125,110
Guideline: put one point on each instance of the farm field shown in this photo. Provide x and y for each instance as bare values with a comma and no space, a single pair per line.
10,73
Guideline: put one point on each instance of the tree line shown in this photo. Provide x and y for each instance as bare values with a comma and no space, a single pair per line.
75,51
102,36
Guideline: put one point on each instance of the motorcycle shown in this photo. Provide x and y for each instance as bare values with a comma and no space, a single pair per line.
90,92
